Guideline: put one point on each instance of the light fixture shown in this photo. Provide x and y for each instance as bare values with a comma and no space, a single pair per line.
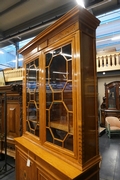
68,55
14,60
115,38
1,52
102,40
108,39
57,72
98,4
20,59
80,2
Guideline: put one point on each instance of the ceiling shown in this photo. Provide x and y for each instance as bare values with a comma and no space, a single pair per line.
21,19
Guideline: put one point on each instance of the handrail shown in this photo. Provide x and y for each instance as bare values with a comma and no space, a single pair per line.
105,62
13,75
108,62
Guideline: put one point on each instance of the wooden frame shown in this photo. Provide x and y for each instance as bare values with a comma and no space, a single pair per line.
111,105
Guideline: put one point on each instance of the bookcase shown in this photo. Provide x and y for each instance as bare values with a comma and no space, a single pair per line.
60,121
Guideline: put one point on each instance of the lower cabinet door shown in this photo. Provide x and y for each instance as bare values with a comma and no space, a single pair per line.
41,175
25,167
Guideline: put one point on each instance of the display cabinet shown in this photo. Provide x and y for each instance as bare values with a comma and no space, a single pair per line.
60,123
111,102
11,104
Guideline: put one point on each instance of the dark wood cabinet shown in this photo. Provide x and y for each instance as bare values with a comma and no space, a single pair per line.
111,101
60,122
11,104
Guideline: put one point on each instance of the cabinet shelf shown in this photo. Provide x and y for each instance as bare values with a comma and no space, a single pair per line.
61,126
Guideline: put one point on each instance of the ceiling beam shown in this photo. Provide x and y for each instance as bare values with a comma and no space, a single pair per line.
12,7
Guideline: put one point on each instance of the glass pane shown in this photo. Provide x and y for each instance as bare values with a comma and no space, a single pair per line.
112,97
59,102
32,97
58,72
119,97
67,96
69,142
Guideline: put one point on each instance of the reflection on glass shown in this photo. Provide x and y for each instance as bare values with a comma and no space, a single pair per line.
112,97
32,97
59,102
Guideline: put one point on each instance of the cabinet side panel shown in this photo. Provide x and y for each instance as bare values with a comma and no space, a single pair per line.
13,116
89,98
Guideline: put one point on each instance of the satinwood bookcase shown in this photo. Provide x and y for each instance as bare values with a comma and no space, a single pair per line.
60,115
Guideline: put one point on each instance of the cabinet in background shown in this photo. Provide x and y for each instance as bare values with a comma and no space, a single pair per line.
111,101
11,104
60,122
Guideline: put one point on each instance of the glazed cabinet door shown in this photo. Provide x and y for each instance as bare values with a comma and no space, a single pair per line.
59,96
32,97
119,96
112,93
112,99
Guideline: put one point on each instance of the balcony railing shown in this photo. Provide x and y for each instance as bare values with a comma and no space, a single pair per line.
108,62
105,62
13,75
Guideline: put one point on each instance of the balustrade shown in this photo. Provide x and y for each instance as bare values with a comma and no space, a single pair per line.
108,62
105,62
13,75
